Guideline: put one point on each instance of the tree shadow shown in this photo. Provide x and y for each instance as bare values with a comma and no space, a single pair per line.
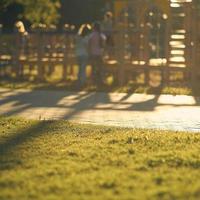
23,101
9,149
148,105
88,103
78,102
21,136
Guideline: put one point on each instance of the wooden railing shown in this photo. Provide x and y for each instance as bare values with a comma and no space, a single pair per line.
130,56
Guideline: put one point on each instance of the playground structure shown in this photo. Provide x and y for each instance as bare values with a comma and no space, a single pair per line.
157,38
163,33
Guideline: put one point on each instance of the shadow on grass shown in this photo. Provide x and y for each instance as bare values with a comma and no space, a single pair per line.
10,148
21,136
69,85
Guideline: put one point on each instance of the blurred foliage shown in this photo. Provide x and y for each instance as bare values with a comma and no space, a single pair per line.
41,11
34,12
50,11
4,3
57,11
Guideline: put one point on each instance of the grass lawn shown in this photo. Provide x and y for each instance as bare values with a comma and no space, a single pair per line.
61,160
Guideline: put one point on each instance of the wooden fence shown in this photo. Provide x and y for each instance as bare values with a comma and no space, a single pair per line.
134,53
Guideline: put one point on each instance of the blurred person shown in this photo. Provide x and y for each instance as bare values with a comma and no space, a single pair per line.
81,49
1,28
19,25
107,29
96,44
21,28
66,27
72,28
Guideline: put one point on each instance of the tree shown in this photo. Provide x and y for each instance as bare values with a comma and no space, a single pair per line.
9,13
41,11
34,12
4,4
51,11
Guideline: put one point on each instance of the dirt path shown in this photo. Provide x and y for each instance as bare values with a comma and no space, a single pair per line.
118,109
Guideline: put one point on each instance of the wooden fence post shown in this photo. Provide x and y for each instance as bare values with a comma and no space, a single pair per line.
146,52
39,56
16,56
120,55
194,44
167,53
65,56
188,47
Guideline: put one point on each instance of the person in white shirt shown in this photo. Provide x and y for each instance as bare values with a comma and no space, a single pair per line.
81,50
